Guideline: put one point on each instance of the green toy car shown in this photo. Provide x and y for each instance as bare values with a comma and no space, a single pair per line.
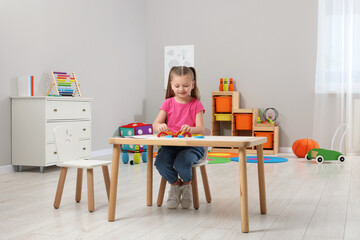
321,155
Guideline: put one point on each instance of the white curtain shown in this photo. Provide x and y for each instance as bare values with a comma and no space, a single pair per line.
337,86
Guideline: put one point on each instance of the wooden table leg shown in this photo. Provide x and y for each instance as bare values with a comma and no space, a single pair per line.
261,177
243,190
113,182
149,180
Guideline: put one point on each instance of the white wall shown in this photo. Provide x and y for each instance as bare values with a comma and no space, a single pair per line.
103,42
116,49
268,47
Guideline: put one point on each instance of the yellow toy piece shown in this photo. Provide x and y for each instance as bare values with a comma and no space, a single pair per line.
137,156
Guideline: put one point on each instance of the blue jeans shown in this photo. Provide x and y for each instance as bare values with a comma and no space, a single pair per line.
172,161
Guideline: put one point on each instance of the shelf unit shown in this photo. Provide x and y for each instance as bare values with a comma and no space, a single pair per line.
253,129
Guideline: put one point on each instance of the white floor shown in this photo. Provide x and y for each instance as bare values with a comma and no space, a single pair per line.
305,200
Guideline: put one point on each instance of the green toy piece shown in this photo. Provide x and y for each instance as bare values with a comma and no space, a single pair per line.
321,155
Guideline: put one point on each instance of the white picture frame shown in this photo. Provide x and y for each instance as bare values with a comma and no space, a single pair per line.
182,55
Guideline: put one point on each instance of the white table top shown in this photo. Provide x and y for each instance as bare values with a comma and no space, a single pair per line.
214,141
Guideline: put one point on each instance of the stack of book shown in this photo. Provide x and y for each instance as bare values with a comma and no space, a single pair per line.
26,85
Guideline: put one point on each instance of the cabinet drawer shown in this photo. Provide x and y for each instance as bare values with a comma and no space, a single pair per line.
52,155
67,110
85,149
84,126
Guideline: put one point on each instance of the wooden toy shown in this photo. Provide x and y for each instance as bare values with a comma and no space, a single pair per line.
64,84
170,134
137,155
321,155
133,129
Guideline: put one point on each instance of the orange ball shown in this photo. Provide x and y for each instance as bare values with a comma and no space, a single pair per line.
302,146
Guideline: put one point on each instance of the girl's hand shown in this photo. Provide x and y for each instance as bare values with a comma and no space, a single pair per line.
163,127
185,128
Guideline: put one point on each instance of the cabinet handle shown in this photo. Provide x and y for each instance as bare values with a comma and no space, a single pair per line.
84,148
55,153
84,110
84,129
55,109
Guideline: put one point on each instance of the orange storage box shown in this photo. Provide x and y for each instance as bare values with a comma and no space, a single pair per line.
243,121
223,104
270,138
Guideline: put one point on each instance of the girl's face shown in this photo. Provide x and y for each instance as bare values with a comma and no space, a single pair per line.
182,86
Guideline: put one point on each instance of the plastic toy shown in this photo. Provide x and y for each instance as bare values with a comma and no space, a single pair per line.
133,129
226,86
231,85
125,156
221,85
302,146
321,155
170,134
144,155
259,120
137,155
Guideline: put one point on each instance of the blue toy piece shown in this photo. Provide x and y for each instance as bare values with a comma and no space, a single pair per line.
144,155
168,136
199,137
125,156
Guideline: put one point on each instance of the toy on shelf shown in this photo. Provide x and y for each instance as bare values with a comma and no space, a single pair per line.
231,85
258,120
226,85
270,115
321,155
178,134
65,84
221,85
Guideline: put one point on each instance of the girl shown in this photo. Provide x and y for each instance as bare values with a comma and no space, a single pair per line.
181,111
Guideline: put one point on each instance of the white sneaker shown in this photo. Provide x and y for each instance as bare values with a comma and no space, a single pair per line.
186,199
173,200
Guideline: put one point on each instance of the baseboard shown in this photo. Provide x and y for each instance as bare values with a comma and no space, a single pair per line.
7,169
285,149
102,152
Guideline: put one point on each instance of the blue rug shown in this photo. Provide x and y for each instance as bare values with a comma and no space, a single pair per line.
253,159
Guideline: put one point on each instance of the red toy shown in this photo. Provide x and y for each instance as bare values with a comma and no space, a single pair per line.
178,133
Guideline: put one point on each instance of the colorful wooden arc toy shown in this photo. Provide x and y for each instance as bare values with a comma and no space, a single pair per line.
177,134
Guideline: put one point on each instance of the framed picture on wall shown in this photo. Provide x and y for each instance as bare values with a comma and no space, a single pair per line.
177,56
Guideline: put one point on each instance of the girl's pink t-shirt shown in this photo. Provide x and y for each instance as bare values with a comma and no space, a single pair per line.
178,114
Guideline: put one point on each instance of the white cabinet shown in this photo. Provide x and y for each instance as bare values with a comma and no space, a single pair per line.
33,121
